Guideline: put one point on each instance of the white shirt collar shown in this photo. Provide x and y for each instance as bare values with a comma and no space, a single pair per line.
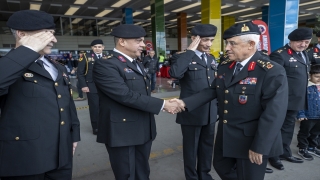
244,62
318,46
198,53
129,58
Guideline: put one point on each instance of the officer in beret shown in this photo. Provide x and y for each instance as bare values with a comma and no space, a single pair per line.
126,121
295,60
195,69
314,52
85,78
252,94
38,142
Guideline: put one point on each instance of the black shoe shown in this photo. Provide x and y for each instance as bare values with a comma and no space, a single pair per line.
276,163
305,154
268,170
95,131
291,159
314,151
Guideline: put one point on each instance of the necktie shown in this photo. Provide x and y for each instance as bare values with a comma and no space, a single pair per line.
300,54
136,64
40,63
237,70
99,56
203,57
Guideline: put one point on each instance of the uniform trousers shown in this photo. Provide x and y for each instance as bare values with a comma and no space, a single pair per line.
93,101
63,173
308,133
130,162
197,151
229,168
287,131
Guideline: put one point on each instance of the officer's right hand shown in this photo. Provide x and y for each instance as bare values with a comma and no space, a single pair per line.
85,89
37,41
194,45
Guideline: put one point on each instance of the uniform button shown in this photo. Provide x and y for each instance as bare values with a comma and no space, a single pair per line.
35,81
87,81
243,92
225,121
195,68
56,84
244,88
92,63
17,138
124,119
296,65
147,87
145,78
226,91
59,96
61,109
69,82
134,77
218,86
210,85
225,111
62,123
226,102
208,77
208,69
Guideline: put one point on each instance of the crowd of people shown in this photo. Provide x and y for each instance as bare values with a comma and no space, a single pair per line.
257,99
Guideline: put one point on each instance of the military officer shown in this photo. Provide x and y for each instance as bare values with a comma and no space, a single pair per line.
195,69
85,78
252,94
38,141
127,125
314,52
295,60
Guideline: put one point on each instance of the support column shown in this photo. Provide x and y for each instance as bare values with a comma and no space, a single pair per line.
211,14
226,22
158,28
283,19
182,31
127,17
265,14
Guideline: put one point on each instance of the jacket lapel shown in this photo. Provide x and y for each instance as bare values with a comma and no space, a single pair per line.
128,62
39,70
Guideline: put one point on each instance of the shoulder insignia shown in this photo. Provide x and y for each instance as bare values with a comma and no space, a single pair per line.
316,50
122,59
280,50
265,64
226,61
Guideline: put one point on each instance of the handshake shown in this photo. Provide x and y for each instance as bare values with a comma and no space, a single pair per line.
174,106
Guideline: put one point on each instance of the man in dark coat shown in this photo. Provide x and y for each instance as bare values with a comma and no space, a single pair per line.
85,78
295,60
126,124
252,94
195,70
314,52
39,128
151,64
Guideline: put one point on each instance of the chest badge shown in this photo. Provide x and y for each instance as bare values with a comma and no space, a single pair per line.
28,75
243,99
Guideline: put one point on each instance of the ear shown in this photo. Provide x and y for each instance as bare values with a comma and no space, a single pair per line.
122,42
20,34
252,44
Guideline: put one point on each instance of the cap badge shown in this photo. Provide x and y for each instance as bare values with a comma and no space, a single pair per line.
245,28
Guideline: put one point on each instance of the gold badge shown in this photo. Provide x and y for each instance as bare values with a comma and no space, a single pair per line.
245,28
89,59
279,51
28,75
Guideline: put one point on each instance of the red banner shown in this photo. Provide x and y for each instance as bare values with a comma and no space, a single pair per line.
149,46
264,37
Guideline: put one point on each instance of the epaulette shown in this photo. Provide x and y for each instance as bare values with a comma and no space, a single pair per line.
110,56
280,50
265,64
226,61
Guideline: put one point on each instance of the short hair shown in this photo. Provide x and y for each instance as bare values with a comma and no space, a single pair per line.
116,39
250,37
315,69
14,33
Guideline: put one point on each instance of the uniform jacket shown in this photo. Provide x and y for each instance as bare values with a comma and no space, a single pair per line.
126,107
252,107
313,100
38,117
314,55
151,63
85,66
297,74
194,75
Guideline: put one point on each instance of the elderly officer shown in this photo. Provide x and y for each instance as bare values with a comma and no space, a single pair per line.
126,124
36,142
252,94
85,78
195,70
296,63
314,52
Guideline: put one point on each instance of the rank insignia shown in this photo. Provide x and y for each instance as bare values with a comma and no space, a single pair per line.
122,59
128,70
28,75
243,99
279,51
104,57
269,66
245,28
249,80
251,66
292,60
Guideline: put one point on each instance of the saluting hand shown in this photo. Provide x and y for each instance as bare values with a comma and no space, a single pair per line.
255,157
37,41
195,42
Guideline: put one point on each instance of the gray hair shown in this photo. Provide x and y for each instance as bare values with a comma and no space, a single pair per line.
251,37
14,33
